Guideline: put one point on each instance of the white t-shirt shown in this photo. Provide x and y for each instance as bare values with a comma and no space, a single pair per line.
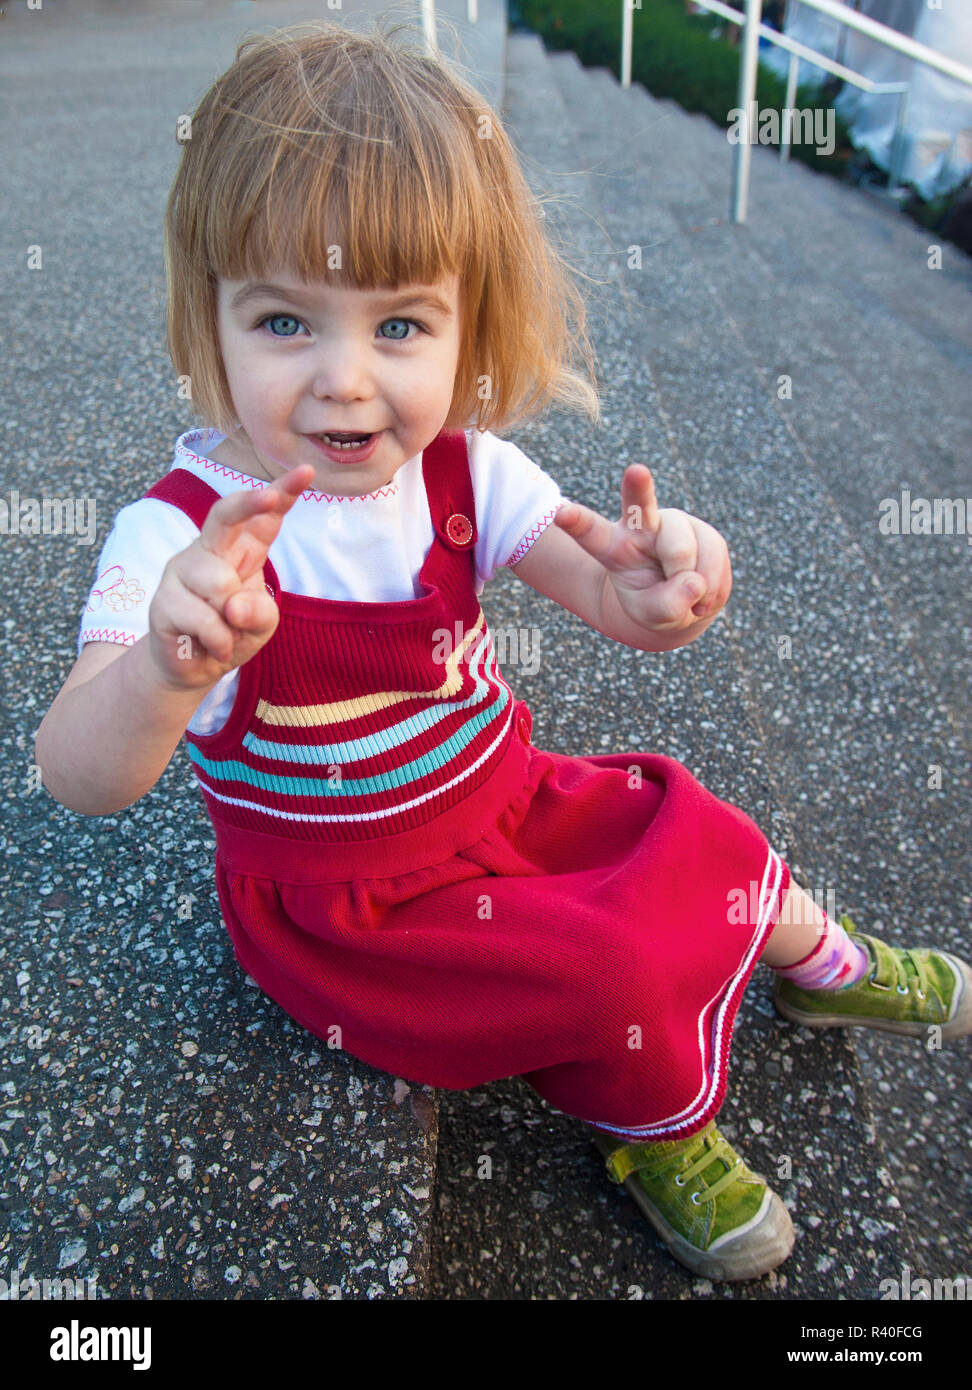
362,549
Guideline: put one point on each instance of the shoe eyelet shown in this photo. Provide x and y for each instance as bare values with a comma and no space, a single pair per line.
679,1181
902,991
920,995
694,1199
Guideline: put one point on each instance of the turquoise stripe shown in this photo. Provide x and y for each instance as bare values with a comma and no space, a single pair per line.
230,770
375,745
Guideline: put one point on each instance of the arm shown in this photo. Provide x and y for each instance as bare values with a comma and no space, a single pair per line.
112,729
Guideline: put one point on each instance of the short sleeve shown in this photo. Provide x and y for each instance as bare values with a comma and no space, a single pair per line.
515,502
145,536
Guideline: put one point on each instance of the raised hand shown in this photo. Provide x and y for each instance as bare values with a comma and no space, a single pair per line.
212,612
669,570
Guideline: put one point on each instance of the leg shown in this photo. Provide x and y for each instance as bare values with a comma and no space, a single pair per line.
830,959
800,926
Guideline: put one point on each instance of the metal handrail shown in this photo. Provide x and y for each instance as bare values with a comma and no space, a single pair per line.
797,51
753,28
800,50
892,39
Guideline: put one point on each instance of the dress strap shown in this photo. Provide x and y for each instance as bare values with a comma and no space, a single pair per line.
448,485
187,492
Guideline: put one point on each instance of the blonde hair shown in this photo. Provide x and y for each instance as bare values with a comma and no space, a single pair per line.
315,129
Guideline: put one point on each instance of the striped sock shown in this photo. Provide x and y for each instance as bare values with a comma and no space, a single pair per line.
834,963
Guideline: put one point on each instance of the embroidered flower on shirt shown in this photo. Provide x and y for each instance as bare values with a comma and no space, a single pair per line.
115,590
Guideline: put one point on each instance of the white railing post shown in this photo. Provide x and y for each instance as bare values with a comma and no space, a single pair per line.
786,134
472,11
428,27
627,21
748,60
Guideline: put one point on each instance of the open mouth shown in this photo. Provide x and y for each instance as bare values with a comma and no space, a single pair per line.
344,440
346,446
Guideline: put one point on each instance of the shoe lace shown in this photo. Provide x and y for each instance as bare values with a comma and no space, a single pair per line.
890,964
716,1148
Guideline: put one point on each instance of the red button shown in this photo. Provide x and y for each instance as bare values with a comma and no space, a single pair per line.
459,528
523,724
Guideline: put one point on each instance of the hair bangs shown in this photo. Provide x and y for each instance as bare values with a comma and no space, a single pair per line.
361,206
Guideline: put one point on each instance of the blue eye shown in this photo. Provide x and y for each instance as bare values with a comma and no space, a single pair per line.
399,337
286,318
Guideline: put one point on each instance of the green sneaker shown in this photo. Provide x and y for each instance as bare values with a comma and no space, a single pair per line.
902,992
716,1216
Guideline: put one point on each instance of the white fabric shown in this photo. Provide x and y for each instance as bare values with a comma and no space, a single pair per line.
365,549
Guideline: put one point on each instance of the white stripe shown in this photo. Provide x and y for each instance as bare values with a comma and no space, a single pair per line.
708,1088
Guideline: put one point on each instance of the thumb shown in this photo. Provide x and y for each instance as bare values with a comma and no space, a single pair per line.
251,609
693,586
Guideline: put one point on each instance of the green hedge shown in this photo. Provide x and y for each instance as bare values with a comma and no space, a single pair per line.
674,55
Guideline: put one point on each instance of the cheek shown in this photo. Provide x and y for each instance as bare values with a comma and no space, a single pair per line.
258,398
261,375
446,367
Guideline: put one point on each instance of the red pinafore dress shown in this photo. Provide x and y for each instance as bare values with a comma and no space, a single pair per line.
413,880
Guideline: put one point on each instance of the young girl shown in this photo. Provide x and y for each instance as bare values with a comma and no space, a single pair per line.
360,288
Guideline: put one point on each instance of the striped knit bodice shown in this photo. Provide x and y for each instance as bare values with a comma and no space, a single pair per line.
361,720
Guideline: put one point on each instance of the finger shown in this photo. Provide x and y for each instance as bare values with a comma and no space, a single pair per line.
251,610
191,616
638,500
210,577
232,514
676,544
589,529
714,566
246,607
669,605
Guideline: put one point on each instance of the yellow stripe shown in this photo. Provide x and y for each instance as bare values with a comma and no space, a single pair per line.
307,716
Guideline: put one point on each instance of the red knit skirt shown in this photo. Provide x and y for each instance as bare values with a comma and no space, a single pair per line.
595,940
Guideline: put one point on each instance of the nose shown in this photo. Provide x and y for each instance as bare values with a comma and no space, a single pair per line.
341,371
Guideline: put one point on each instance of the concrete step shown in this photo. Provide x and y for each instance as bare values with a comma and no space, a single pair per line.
796,1103
904,438
791,234
478,48
892,271
855,806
